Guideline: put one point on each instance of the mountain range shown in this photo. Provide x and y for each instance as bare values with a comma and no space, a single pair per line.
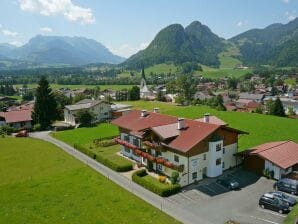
55,50
275,45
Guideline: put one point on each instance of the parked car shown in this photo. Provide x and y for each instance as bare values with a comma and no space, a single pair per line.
231,184
287,185
267,201
284,197
23,133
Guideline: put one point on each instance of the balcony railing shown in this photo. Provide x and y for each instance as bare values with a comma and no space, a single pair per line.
158,160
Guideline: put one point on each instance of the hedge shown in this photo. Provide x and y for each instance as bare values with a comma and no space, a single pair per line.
138,177
105,143
105,161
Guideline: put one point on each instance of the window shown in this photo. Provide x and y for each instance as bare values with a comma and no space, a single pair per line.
127,150
126,138
159,167
204,158
218,161
176,158
223,165
223,150
136,142
194,175
218,147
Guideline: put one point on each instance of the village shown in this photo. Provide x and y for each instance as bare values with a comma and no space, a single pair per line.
174,156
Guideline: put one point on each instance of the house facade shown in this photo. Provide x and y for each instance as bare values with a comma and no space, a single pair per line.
100,109
193,148
19,119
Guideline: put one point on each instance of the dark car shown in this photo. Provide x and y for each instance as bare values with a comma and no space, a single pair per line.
231,184
284,197
23,133
287,185
267,201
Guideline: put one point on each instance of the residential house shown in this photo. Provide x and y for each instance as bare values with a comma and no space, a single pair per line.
287,104
245,105
250,96
101,109
19,119
119,110
194,148
278,158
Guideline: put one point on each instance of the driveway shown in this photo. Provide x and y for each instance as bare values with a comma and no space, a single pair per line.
217,204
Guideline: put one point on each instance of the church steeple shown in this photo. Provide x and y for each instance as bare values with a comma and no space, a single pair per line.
143,74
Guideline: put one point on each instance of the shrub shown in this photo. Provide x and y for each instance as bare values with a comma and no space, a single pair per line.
138,177
174,177
162,179
7,130
105,143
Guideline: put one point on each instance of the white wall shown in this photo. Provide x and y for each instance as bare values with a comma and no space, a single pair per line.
228,157
214,170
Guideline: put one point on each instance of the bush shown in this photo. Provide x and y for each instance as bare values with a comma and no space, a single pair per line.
105,143
36,127
138,177
162,179
104,161
7,130
174,177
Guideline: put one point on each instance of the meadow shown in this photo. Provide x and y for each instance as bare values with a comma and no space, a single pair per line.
84,136
40,183
261,128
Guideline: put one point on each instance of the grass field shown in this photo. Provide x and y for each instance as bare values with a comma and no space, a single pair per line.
40,183
102,87
292,216
84,136
161,68
261,128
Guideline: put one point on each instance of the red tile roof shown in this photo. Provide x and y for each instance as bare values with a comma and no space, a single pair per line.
16,116
134,122
166,127
213,120
283,154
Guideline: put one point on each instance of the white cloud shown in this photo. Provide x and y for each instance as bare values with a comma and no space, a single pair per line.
290,15
70,11
242,23
1,26
286,1
46,29
16,43
9,33
126,50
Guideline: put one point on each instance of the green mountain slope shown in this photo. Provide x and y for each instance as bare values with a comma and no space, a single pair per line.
174,44
275,45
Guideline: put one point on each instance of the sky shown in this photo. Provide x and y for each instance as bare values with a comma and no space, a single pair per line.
127,26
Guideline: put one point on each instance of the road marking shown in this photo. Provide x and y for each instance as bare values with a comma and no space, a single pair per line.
273,213
265,220
187,197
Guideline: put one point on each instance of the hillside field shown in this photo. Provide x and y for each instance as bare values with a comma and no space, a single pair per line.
40,183
261,128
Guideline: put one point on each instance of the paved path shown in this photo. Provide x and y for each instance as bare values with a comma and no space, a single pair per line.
177,211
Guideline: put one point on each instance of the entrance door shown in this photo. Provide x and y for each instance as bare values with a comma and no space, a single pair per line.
204,172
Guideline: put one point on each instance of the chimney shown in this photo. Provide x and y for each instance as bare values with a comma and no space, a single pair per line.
181,123
206,117
144,113
156,110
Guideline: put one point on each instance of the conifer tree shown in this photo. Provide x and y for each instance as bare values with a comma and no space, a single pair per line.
45,108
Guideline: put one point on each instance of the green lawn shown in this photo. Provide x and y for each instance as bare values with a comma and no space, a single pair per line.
261,128
161,68
109,153
102,87
292,216
83,136
40,183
